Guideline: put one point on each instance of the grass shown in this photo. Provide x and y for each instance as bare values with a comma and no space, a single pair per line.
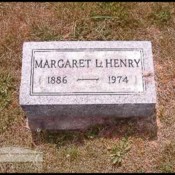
167,161
20,167
161,15
6,89
71,153
89,151
6,82
44,33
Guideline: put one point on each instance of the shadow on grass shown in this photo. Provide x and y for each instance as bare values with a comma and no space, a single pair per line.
145,128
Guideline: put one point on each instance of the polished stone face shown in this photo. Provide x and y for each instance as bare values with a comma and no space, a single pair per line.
87,78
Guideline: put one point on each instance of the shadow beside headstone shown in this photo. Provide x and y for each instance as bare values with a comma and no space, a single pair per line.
90,128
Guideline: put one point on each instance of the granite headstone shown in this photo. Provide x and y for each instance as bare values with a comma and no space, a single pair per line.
71,84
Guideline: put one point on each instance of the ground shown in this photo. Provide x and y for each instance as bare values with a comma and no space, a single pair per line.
127,145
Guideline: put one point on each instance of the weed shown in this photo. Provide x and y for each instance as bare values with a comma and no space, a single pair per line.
71,153
119,151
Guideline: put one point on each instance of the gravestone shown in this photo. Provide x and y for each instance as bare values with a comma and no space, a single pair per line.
73,84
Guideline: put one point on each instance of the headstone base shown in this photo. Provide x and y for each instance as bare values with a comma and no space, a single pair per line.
81,117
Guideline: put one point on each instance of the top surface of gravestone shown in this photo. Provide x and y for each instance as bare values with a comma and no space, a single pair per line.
87,72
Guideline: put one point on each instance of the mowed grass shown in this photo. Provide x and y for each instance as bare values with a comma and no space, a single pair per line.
127,145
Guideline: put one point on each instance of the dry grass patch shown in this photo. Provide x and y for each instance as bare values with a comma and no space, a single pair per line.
6,103
166,162
89,151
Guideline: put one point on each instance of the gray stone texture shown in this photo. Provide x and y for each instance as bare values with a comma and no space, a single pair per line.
60,109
